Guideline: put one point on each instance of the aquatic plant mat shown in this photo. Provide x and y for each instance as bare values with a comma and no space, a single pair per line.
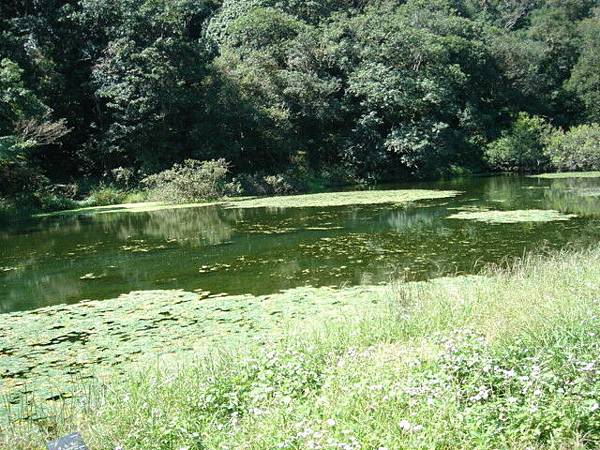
517,216
126,208
505,361
344,198
46,352
289,201
559,175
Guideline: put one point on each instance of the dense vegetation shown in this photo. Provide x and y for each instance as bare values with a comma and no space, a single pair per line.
454,363
291,93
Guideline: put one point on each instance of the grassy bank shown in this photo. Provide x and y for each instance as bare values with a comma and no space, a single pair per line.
509,360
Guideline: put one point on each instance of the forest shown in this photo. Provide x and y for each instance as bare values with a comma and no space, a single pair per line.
288,93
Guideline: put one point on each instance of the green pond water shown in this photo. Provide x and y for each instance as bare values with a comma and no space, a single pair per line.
234,250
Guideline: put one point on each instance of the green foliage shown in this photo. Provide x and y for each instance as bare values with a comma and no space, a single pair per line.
577,149
385,90
522,147
105,194
192,181
585,77
455,363
278,184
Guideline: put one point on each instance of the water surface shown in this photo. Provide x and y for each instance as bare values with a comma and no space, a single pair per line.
66,259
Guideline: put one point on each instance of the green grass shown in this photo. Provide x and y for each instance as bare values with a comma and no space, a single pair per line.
558,175
507,360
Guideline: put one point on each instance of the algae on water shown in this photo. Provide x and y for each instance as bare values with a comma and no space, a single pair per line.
48,353
127,208
517,216
553,176
343,198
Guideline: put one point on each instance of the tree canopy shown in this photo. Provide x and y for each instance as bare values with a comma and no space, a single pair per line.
379,89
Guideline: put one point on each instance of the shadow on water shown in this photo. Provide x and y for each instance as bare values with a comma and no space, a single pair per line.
65,259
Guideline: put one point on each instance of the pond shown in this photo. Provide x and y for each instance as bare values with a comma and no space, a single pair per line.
257,248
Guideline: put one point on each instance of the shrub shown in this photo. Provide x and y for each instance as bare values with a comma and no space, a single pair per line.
192,181
278,184
7,210
104,195
124,177
522,147
54,202
576,149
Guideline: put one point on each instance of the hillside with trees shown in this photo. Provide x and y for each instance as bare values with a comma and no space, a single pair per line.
111,91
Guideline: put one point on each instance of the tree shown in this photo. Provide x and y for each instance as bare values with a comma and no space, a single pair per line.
522,148
585,77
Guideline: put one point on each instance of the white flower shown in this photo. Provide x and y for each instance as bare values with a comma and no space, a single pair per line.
405,425
595,407
509,373
331,422
588,367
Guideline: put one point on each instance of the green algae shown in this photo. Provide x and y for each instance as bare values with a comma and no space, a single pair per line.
559,175
328,199
127,208
46,353
517,216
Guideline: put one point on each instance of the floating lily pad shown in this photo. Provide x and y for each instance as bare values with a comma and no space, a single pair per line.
47,352
525,215
343,198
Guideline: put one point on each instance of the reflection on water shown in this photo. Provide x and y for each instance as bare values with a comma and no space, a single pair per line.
67,259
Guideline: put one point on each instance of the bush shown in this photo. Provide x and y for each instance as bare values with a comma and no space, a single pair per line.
124,177
192,181
278,184
104,195
576,149
522,147
7,210
54,202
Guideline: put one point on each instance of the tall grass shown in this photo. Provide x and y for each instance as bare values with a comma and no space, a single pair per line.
510,359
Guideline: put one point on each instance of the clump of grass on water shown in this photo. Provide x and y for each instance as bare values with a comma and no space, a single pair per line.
506,360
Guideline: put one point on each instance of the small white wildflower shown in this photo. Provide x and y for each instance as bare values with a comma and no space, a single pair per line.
537,392
119,447
405,425
331,422
595,407
588,367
